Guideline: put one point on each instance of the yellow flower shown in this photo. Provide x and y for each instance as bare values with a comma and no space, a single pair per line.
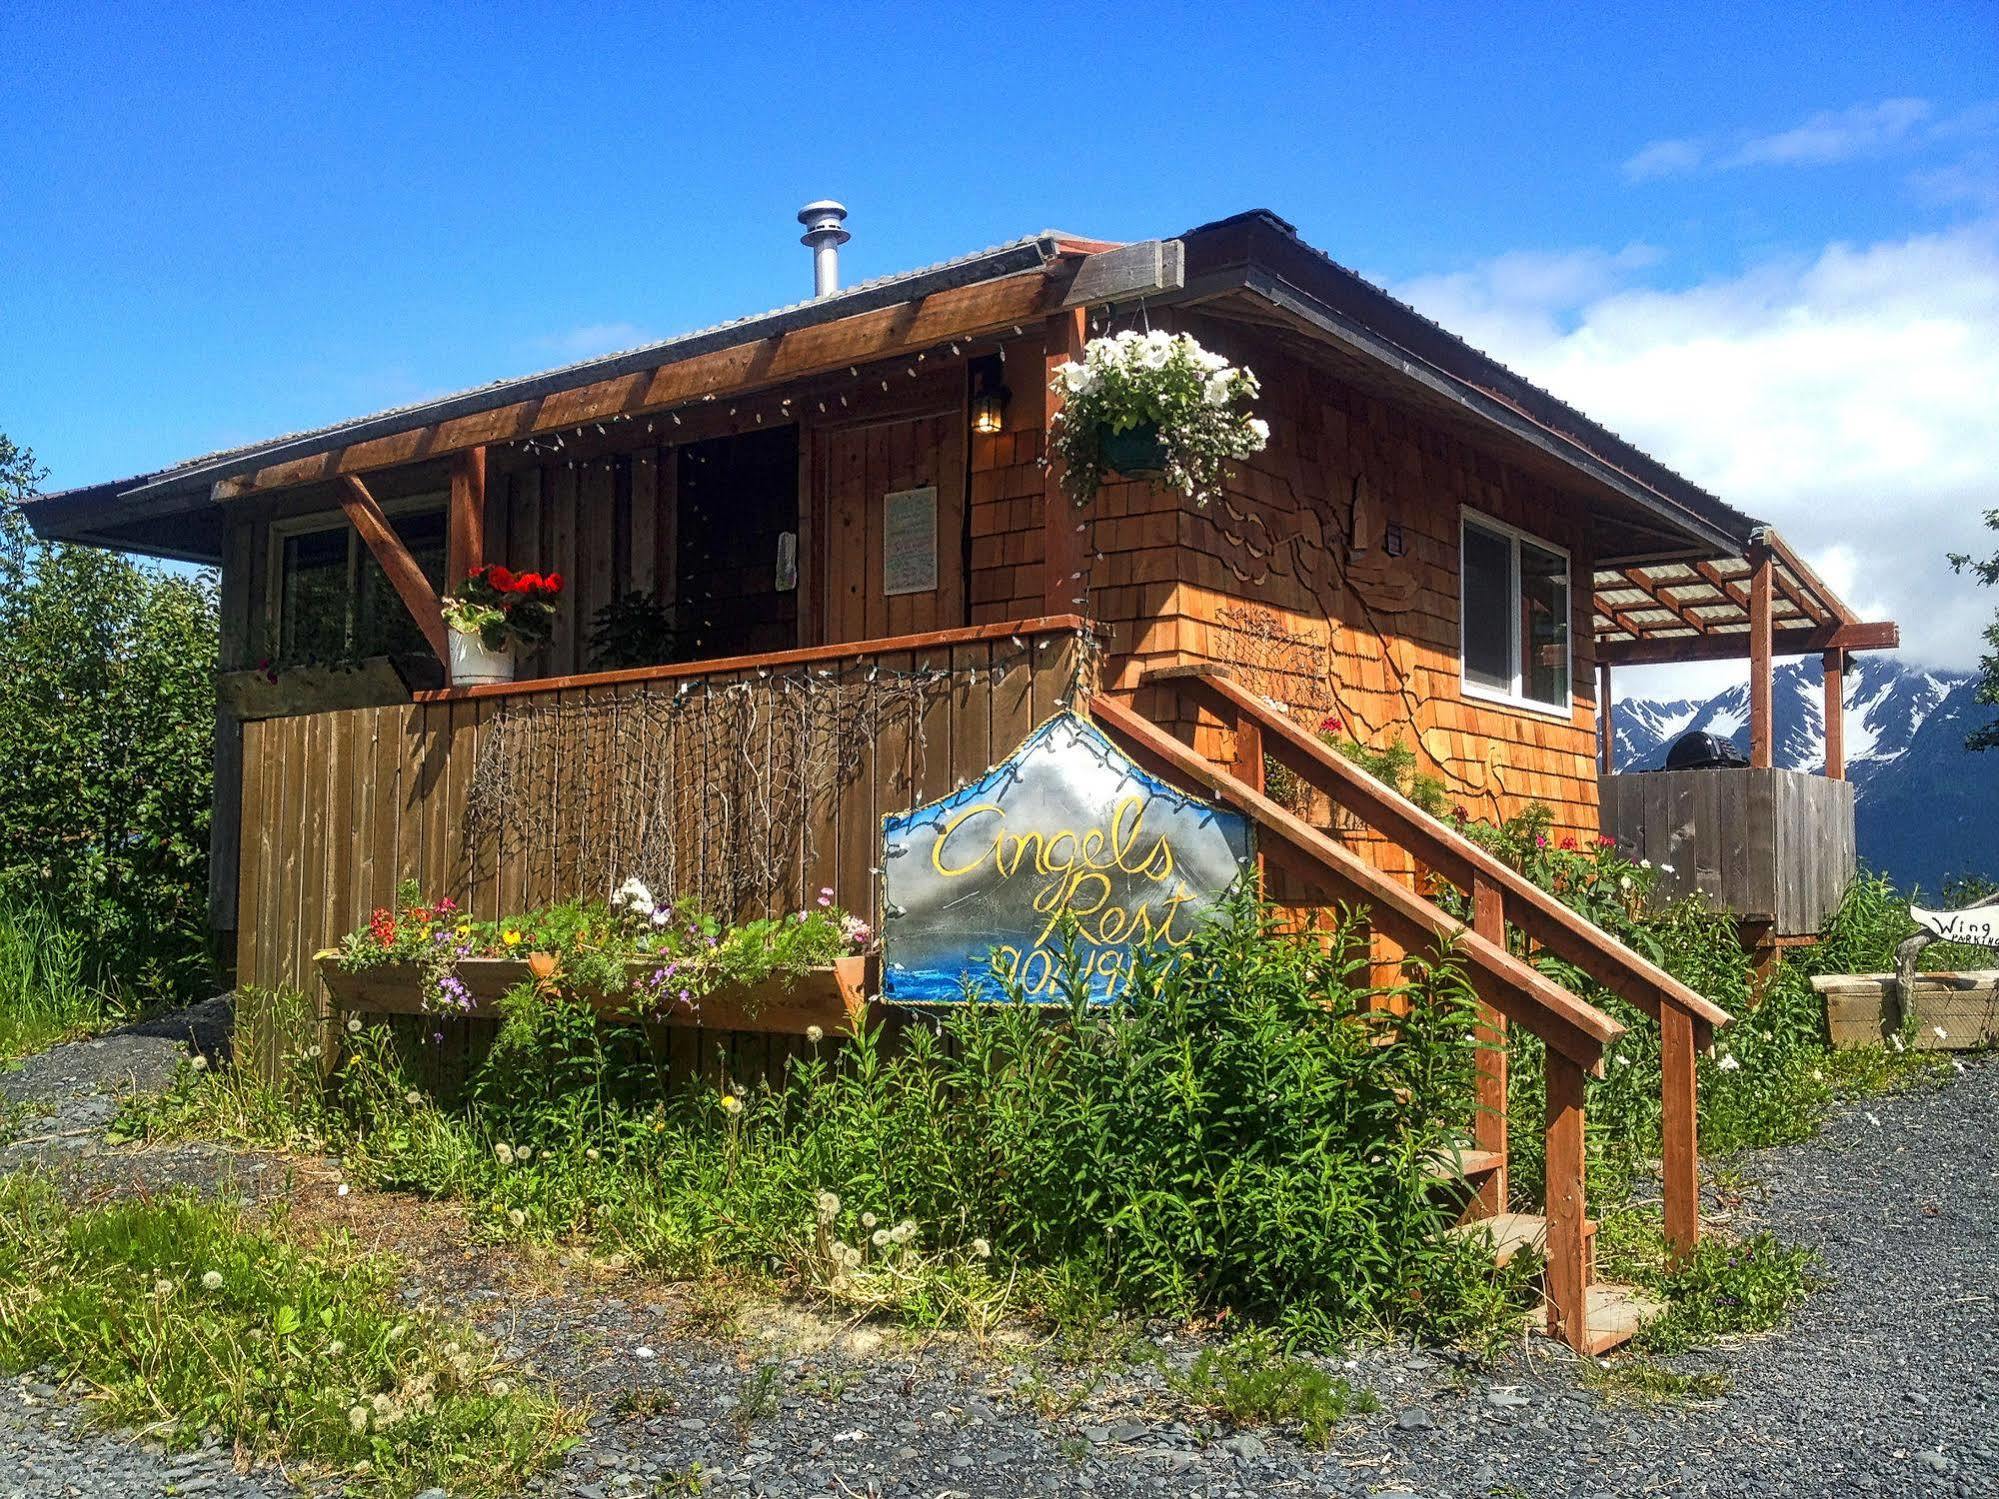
511,938
731,1104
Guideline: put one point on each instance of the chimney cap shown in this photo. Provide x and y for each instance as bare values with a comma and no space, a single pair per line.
822,223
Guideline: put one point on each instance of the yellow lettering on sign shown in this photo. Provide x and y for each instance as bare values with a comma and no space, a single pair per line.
1075,867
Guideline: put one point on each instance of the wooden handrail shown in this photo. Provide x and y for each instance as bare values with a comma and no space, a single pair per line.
1051,624
1443,849
1687,1020
1577,1030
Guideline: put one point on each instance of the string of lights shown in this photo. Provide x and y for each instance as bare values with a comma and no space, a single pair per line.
717,790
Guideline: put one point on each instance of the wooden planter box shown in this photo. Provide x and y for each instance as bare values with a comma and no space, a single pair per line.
1860,1009
835,999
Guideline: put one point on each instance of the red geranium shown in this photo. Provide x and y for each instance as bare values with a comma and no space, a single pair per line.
527,583
501,578
1568,843
551,585
1331,724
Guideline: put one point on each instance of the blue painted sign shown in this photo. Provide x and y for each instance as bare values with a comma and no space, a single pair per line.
1066,832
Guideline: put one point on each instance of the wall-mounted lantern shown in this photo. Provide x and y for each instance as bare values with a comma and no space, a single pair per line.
989,397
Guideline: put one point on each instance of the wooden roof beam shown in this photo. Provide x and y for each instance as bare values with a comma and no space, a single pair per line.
966,312
1657,593
411,586
1800,640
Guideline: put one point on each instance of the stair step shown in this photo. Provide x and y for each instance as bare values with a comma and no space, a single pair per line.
1463,1164
1616,1313
1512,1232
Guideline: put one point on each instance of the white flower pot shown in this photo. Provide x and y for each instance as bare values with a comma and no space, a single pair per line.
472,665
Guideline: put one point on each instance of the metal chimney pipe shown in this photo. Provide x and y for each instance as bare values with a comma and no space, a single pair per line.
824,234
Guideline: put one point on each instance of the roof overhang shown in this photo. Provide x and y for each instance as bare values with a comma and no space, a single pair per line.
1255,268
1252,268
176,512
1701,610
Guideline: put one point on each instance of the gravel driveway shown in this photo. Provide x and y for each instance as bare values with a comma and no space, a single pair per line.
1887,1384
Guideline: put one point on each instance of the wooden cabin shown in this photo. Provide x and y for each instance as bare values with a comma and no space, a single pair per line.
844,510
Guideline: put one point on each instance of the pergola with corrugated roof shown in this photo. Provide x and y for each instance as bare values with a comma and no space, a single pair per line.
1758,606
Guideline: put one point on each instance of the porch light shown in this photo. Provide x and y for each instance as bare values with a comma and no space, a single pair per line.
989,400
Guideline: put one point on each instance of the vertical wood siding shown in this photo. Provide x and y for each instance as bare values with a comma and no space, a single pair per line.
338,808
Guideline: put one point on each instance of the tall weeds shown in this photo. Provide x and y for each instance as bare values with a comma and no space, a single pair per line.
44,997
1245,1132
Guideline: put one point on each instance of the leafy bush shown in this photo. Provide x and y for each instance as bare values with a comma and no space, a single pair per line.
1245,1131
107,718
186,1321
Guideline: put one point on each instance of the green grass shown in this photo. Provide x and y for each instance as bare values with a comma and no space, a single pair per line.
1250,1382
1640,1381
44,997
1247,1133
182,1318
1729,1287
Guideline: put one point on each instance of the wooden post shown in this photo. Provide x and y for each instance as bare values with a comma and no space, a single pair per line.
1680,1156
1567,1271
1835,714
465,526
1249,770
1762,577
408,579
1065,581
1606,735
1489,1127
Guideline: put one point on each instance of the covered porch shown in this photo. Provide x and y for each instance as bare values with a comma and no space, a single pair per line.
1773,845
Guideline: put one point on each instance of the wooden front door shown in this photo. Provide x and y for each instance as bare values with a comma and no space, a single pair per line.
736,592
891,549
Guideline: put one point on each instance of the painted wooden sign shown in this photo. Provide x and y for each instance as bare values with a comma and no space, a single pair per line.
1976,926
1065,833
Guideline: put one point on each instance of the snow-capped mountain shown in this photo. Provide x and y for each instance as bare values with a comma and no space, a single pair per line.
1927,807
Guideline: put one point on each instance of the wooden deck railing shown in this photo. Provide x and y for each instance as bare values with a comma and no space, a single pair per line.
339,807
1501,897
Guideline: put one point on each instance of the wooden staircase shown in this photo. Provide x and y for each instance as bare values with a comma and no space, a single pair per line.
1588,1315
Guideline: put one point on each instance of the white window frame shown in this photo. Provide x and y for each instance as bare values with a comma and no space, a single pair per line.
1514,536
288,527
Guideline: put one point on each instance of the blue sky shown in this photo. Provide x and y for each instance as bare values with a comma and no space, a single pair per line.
223,225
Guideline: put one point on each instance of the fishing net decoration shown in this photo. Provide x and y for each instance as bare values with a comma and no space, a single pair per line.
711,789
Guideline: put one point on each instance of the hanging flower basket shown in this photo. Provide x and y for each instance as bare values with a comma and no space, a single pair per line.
1135,453
1154,405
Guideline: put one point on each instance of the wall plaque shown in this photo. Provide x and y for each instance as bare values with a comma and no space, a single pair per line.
1065,827
909,541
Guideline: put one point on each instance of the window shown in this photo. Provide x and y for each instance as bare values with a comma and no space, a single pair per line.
333,602
1514,598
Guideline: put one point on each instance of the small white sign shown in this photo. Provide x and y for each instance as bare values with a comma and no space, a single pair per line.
909,541
1976,927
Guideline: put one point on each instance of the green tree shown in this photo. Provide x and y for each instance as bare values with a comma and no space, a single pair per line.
1986,570
107,722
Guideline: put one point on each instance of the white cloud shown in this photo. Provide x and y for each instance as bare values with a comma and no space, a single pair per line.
1835,135
1849,398
1863,132
1671,158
